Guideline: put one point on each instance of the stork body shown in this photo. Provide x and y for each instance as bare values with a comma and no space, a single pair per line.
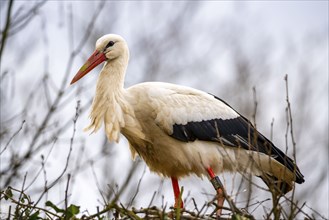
179,130
154,134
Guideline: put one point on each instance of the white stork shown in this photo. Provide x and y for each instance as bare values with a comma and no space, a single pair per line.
179,130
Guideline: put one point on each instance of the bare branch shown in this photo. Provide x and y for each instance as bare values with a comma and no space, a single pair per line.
7,27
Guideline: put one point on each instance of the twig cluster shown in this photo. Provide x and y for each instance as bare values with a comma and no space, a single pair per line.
30,134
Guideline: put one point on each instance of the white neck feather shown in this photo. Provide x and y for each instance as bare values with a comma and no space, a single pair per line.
109,105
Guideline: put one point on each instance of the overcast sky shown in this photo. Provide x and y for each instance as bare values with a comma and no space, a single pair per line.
281,21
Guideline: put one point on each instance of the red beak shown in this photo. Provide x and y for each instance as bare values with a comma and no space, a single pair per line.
94,60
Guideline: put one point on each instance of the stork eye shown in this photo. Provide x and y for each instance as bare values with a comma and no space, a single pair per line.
110,44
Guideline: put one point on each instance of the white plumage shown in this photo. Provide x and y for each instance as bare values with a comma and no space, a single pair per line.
178,130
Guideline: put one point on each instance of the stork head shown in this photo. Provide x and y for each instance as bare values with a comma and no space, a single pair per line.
108,48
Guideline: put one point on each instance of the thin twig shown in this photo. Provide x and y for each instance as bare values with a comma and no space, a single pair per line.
12,137
57,99
137,188
5,32
68,156
18,203
66,191
292,139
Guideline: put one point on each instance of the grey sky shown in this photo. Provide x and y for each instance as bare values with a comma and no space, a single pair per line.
275,26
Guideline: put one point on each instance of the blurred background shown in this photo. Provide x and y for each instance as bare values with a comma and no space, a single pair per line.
239,51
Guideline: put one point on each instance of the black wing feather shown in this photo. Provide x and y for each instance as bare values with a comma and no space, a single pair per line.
235,132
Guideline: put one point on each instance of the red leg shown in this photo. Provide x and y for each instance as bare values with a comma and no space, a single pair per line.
178,200
218,187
